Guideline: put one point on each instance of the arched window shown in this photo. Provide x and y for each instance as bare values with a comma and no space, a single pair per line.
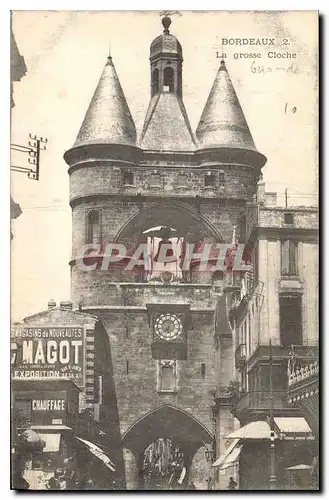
155,82
168,80
93,227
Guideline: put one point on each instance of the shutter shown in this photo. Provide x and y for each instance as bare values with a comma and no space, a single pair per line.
292,258
285,258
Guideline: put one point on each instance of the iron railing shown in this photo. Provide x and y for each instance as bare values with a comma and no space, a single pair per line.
260,400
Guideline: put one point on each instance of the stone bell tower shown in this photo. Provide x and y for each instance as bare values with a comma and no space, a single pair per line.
169,334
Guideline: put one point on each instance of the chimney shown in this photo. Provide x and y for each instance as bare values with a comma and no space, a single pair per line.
51,304
66,304
261,190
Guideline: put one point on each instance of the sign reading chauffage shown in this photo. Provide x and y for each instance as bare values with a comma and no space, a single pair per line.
48,352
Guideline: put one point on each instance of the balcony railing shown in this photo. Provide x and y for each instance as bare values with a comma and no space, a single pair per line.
303,373
304,353
261,400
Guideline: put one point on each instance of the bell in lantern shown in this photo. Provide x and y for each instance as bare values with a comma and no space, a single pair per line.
165,251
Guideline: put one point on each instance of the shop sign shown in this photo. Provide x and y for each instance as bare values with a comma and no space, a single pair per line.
48,352
48,405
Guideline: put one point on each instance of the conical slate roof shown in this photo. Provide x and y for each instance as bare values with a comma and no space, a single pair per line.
222,122
108,119
166,126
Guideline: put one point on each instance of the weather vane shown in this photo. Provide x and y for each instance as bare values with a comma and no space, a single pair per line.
166,21
166,13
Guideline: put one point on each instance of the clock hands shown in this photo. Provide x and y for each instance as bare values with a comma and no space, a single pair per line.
166,327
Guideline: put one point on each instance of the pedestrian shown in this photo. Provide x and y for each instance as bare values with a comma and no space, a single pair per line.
54,481
232,484
69,473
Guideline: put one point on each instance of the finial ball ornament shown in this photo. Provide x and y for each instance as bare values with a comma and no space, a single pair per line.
166,22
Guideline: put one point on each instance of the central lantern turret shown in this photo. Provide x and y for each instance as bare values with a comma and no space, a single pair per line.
166,125
166,59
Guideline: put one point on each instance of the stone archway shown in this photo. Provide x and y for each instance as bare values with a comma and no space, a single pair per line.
181,216
167,422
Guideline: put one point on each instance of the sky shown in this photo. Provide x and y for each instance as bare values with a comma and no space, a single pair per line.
65,52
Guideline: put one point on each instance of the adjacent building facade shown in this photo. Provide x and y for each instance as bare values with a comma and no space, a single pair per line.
275,321
62,389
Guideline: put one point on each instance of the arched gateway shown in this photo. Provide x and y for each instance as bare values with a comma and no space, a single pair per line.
162,445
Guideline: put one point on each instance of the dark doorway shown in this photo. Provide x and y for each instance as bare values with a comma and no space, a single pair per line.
291,321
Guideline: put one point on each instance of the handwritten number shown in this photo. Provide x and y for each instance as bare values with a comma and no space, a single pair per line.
292,110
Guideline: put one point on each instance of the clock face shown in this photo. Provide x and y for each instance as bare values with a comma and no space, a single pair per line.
168,326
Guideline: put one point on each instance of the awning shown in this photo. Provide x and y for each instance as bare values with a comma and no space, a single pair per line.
50,428
254,430
284,428
292,428
230,456
300,467
52,442
98,453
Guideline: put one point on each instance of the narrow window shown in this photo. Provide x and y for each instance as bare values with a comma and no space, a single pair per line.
290,321
167,376
181,180
93,231
127,367
221,179
155,82
209,180
128,179
168,80
289,258
203,370
289,218
155,180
